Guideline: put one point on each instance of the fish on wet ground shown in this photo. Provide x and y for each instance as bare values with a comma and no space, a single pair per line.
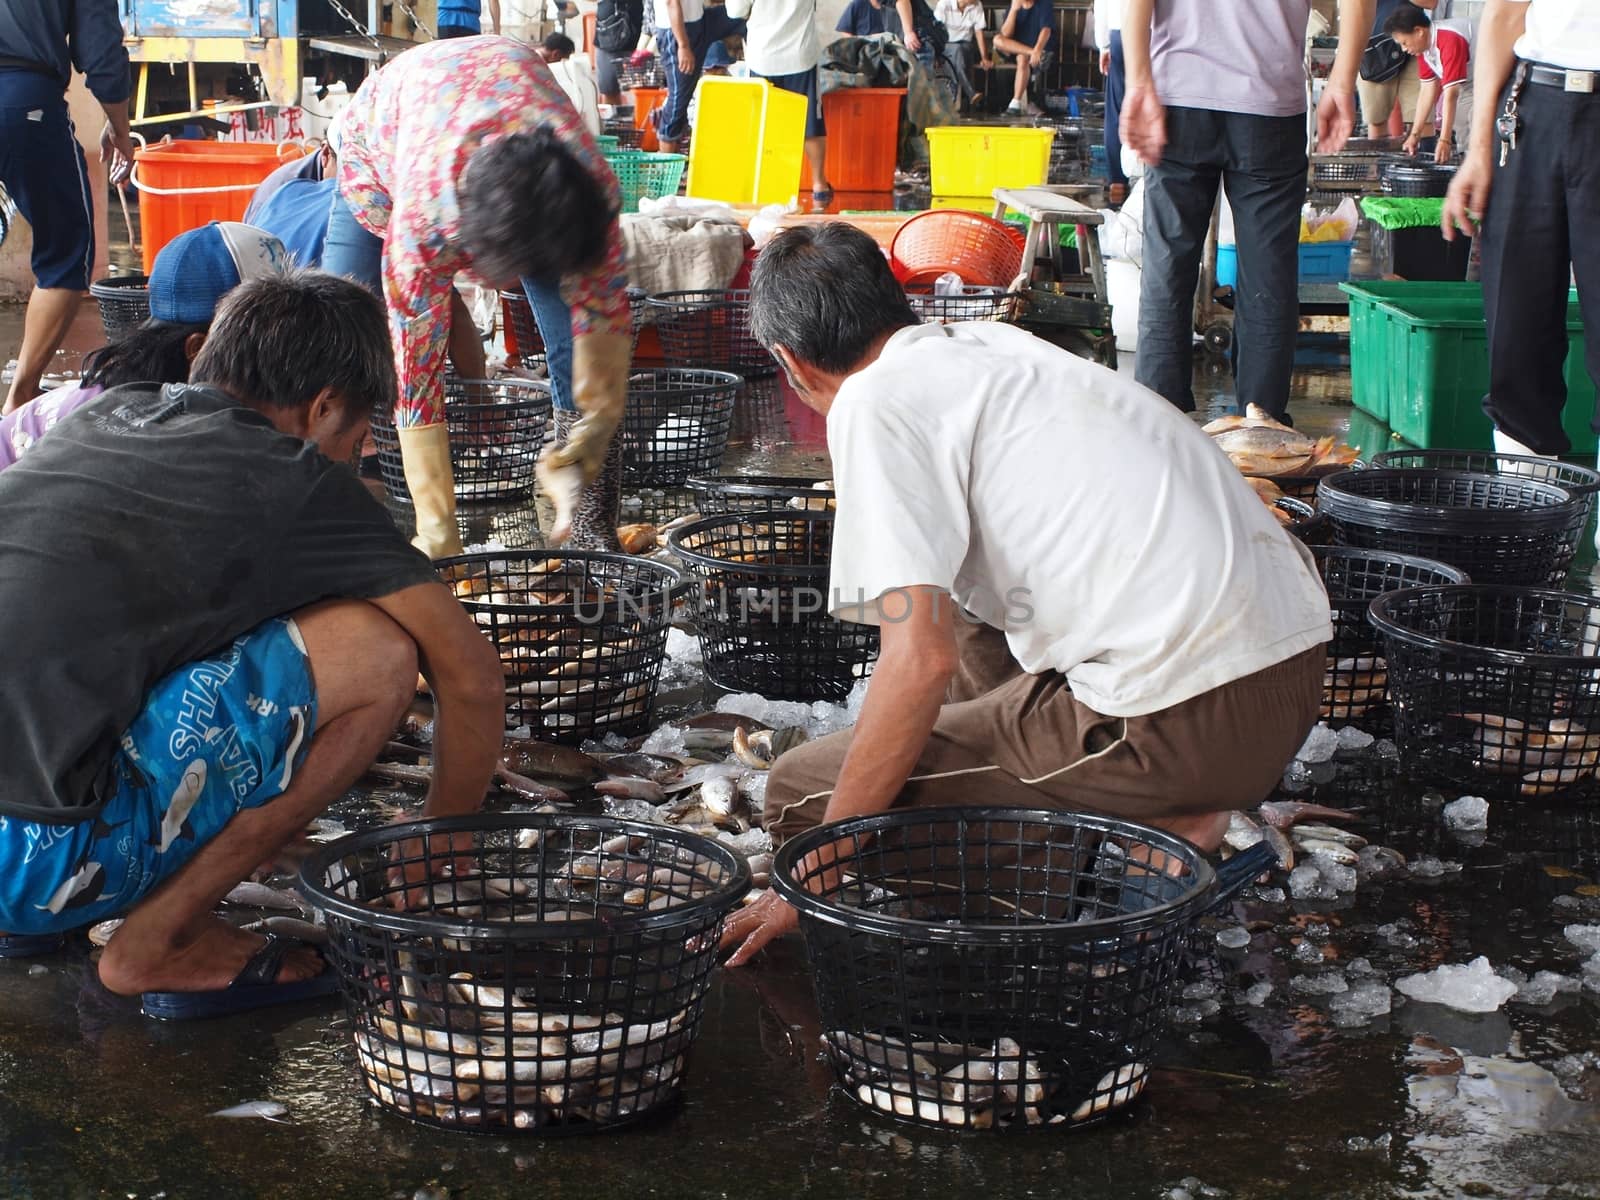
1260,446
1550,755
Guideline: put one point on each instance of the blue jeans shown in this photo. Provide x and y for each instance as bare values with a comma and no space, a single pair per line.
672,118
1262,162
1116,88
351,249
554,319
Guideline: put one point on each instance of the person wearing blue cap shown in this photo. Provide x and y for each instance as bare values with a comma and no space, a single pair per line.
189,278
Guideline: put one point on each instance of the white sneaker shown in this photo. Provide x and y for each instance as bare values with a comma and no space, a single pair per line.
1504,443
1013,109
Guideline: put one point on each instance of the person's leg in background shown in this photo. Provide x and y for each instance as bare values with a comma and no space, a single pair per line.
1116,87
1408,86
594,524
1266,187
43,170
1526,261
1377,102
672,118
958,55
607,82
1179,195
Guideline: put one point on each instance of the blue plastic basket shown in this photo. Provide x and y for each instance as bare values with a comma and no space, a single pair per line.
1320,262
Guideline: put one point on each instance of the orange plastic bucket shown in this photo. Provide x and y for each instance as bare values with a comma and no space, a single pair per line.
183,185
645,103
863,137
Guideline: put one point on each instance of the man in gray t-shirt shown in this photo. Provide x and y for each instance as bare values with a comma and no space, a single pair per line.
1216,93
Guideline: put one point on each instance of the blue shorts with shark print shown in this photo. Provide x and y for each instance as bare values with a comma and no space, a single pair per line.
215,737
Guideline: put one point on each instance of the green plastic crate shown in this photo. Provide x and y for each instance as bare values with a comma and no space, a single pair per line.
1420,361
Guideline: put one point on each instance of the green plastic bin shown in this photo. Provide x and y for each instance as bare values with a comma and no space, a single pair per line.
1420,361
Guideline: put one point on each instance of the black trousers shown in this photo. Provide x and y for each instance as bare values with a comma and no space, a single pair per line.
1542,226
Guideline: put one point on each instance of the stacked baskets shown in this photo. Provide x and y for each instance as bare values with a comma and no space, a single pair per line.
710,330
1492,685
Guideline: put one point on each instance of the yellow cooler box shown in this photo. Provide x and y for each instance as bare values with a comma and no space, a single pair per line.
973,160
749,142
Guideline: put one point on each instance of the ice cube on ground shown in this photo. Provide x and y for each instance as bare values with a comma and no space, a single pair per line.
1236,937
751,842
818,719
1591,974
1386,749
1381,1142
1469,987
1359,968
1584,937
1365,999
1397,937
1428,867
1353,740
1306,883
1267,895
1256,994
683,647
1200,989
1339,877
666,740
1320,745
1308,952
1329,984
1378,862
1544,987
1469,812
1296,777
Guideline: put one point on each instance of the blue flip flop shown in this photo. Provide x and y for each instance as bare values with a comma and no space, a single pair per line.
253,987
30,945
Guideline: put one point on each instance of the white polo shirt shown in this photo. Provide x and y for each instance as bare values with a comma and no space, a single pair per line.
1562,33
1067,505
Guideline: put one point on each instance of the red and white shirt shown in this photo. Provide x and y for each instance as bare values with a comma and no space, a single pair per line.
1448,57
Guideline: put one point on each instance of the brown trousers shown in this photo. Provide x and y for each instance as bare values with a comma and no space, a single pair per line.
1008,738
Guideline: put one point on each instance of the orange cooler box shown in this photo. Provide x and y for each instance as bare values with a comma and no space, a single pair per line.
183,185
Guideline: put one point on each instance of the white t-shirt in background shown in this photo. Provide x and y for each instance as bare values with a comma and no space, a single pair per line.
1562,33
1067,505
959,22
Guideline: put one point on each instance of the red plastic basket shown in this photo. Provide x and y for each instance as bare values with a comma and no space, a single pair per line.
979,249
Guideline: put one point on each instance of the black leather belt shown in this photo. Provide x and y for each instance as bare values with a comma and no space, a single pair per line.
1566,79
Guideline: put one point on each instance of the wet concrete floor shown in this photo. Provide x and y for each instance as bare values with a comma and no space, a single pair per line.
1269,1099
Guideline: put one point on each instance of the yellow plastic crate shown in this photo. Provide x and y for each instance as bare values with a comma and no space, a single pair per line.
973,160
749,142
983,205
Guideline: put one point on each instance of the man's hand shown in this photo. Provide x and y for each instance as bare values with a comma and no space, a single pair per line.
1468,197
117,150
1336,119
764,919
913,42
1105,63
1144,124
1441,152
685,59
1409,146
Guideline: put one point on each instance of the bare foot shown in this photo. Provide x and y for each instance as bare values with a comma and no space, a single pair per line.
207,959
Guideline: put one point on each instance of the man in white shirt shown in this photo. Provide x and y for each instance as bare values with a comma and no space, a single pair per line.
1108,40
685,30
1117,623
1527,189
781,46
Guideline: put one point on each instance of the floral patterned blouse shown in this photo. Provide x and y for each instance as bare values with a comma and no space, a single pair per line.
404,140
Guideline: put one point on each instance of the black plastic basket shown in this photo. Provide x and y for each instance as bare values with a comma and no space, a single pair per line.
550,979
1421,180
581,635
497,427
1496,528
1305,522
1355,682
764,598
710,330
124,302
1495,688
517,315
978,968
971,303
760,493
675,424
1580,481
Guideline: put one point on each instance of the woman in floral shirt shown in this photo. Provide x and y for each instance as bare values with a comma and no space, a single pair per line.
466,155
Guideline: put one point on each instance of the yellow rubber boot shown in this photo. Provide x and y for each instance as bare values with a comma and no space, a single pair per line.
425,452
599,390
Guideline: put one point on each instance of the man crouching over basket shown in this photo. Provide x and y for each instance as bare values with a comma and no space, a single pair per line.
212,628
1082,604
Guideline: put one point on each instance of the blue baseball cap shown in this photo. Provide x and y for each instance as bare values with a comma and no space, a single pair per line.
717,56
195,270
